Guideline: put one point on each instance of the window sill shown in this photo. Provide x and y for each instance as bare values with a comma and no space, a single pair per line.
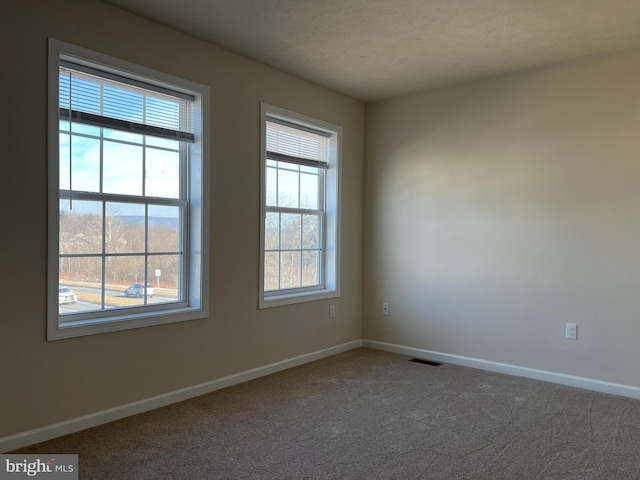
124,322
298,297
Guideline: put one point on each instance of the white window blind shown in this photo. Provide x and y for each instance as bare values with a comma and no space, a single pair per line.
105,102
296,144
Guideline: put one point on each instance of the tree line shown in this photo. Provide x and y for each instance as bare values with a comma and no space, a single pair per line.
81,246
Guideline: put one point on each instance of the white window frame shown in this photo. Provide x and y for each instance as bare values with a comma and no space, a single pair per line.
330,257
196,303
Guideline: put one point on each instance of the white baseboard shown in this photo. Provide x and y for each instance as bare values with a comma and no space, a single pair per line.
48,432
546,376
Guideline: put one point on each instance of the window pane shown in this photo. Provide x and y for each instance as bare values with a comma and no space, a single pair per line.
272,136
271,270
162,173
122,172
288,188
86,129
295,142
85,163
85,95
164,229
272,187
80,227
124,136
164,275
311,231
162,142
272,231
124,277
64,161
163,112
87,270
290,231
310,270
313,147
76,296
309,186
79,281
290,269
123,104
124,228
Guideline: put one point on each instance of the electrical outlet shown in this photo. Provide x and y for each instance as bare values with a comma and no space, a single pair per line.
332,311
572,331
386,308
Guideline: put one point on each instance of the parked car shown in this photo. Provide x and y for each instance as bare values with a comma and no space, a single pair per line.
138,289
66,295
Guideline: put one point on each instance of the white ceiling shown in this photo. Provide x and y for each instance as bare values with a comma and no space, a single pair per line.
376,49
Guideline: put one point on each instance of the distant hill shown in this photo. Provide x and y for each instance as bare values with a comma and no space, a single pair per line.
170,222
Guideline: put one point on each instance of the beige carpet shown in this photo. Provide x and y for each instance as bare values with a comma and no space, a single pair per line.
368,414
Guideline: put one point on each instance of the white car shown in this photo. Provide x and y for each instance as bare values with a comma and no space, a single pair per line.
66,295
138,289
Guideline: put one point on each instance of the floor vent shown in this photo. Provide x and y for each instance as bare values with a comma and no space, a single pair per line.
425,362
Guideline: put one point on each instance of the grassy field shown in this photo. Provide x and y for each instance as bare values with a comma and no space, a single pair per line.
110,301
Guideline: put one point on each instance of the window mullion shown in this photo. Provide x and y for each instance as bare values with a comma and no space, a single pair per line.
146,251
300,247
279,250
144,148
70,147
310,211
101,173
322,239
104,206
118,198
277,186
104,257
185,214
301,221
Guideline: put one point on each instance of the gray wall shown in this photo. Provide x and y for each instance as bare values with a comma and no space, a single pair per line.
498,210
45,382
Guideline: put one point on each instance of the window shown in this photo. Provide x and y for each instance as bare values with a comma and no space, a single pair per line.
128,194
300,209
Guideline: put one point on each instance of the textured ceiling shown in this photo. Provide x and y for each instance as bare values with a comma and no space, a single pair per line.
376,49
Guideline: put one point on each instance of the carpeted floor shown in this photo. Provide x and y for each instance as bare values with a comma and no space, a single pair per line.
367,414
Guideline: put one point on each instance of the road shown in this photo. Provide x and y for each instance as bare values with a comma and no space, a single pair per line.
114,298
